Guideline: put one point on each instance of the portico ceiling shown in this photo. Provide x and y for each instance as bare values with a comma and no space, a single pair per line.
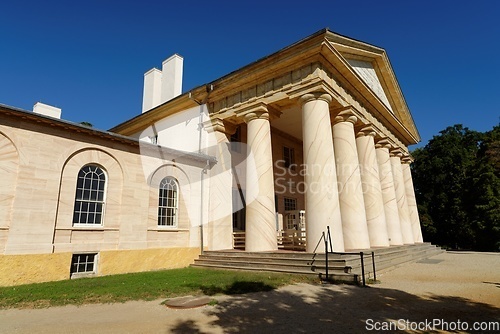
290,122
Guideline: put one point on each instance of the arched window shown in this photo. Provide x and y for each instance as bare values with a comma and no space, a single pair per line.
90,196
168,202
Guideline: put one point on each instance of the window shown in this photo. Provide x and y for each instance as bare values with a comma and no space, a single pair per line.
83,264
290,204
289,157
89,198
168,202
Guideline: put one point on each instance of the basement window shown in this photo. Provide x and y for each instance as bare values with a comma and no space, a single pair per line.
83,265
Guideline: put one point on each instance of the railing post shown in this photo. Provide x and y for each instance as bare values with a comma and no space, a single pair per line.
330,238
373,263
362,268
326,256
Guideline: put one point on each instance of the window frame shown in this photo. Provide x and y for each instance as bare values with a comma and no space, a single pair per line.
88,201
78,274
286,203
166,207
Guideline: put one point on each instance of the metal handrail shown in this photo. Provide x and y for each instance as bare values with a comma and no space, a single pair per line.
361,255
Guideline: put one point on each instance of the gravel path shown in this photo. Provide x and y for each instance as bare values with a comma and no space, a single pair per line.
449,287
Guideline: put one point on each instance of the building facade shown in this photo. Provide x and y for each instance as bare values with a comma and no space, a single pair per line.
314,136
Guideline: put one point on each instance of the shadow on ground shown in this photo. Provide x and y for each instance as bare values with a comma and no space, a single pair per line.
340,309
236,288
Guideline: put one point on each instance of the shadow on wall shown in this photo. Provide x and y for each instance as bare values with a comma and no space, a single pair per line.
340,309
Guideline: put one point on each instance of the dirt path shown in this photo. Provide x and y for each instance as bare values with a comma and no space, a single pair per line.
447,287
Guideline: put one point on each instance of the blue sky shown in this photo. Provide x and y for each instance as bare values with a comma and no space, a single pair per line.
89,57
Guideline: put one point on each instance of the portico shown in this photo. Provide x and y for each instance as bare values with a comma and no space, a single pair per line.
350,128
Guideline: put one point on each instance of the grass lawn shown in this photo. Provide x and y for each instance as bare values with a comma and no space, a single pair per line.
144,286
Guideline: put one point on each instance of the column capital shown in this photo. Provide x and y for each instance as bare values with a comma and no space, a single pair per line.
407,159
383,143
345,115
250,116
259,111
396,152
315,96
367,130
219,125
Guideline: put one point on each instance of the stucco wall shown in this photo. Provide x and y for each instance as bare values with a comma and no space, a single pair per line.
37,268
119,262
34,268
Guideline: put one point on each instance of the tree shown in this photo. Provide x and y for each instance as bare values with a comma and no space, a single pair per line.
457,185
483,192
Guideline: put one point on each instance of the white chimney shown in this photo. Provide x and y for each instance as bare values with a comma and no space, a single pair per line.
45,109
171,81
162,86
152,89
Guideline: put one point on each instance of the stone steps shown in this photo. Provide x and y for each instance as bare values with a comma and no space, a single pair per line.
341,267
386,259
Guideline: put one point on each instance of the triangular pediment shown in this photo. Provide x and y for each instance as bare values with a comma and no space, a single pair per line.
370,65
366,71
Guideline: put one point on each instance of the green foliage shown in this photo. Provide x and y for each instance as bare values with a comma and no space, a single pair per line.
457,185
144,286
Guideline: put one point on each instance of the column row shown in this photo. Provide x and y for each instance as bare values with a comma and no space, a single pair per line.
375,193
358,188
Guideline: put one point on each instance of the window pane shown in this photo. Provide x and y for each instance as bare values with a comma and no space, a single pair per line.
89,196
167,202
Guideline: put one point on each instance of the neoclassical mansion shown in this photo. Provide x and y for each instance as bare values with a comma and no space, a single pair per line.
311,137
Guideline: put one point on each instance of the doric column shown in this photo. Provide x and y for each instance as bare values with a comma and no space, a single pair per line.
388,193
322,202
260,210
352,206
220,222
412,202
372,191
399,185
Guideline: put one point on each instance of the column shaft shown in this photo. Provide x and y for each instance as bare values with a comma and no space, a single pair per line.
372,192
404,215
352,207
322,203
260,211
220,224
412,204
389,195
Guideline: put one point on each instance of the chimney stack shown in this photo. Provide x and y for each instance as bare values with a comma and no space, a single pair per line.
152,89
162,86
45,109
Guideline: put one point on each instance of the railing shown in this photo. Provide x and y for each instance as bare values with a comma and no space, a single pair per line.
287,240
239,240
291,240
328,242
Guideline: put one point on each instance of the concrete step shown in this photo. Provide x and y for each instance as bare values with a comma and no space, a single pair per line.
344,267
305,260
388,260
333,276
291,264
